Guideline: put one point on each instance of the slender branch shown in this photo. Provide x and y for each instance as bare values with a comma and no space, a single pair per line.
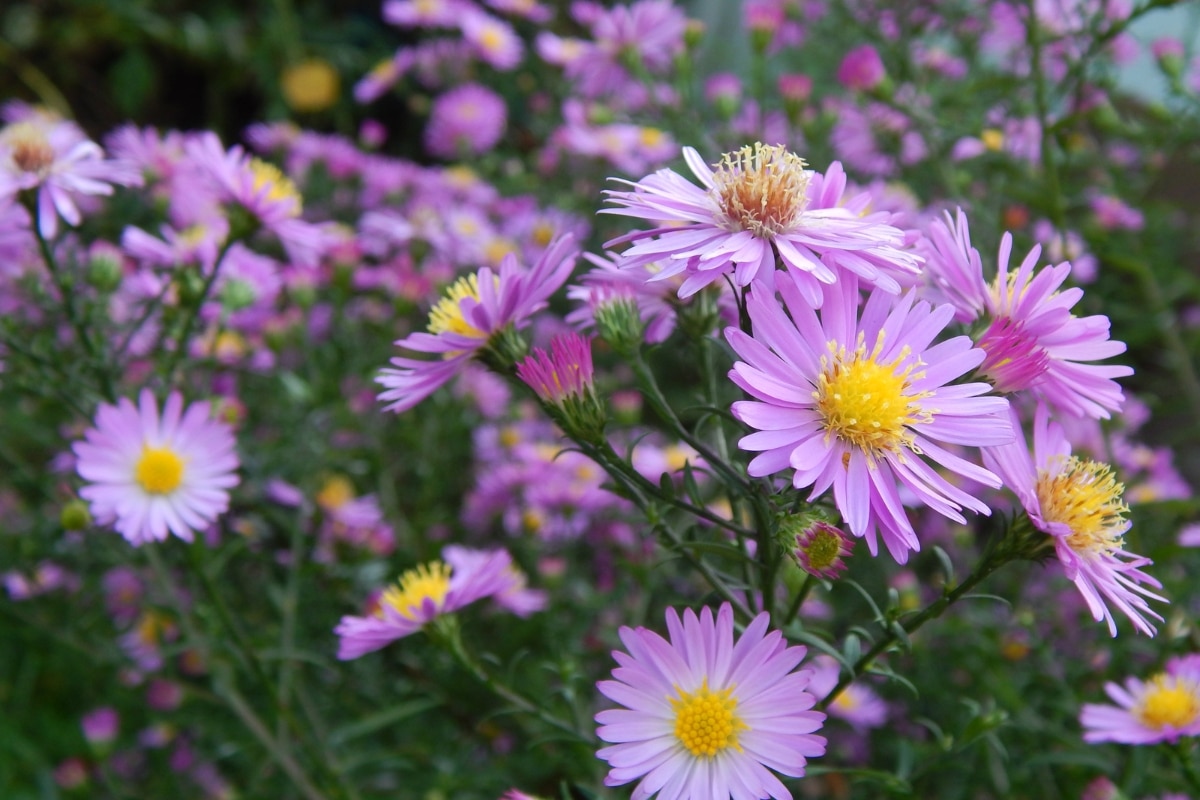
189,322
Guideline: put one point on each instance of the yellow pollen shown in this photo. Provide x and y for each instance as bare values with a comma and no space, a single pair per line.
496,249
159,470
706,722
447,315
30,150
867,403
761,189
428,581
491,39
542,233
1168,703
845,701
277,186
1086,497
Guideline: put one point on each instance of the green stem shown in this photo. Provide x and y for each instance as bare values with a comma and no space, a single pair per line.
447,633
1180,752
189,322
993,559
67,298
801,595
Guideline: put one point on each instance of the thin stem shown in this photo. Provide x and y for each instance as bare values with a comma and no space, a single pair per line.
797,601
189,322
992,560
67,298
448,634
259,730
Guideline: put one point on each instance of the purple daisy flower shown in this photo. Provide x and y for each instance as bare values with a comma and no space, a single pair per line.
1161,709
426,592
57,160
704,716
862,404
758,206
464,321
1078,502
149,475
467,120
1033,341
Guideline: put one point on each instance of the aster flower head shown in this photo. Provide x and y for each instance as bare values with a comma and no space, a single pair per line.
759,205
1078,502
862,403
472,316
263,192
706,716
469,119
562,380
426,592
1163,708
149,474
857,704
1032,340
820,549
56,160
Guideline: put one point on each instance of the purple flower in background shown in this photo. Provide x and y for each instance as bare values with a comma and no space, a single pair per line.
467,120
705,716
861,68
1161,709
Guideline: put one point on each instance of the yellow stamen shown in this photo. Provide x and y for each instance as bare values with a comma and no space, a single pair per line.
447,315
425,582
1168,702
868,403
1086,497
706,722
159,470
761,189
277,186
335,493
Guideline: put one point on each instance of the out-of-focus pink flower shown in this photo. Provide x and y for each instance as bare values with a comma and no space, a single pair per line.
861,68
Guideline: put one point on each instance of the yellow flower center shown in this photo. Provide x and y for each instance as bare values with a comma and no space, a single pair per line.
491,39
761,189
869,403
277,186
845,701
159,470
311,85
30,150
1168,702
426,582
1086,497
651,137
992,139
447,315
706,722
496,249
335,493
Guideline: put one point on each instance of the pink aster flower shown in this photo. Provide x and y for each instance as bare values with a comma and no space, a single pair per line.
861,68
704,716
150,475
1161,709
262,190
857,704
1079,503
1033,343
862,404
758,206
424,593
467,120
55,159
493,40
474,310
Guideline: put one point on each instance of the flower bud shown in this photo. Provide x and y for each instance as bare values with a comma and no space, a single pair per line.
819,548
75,516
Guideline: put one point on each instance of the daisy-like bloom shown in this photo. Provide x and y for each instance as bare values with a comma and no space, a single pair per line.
263,191
475,311
1033,342
1161,709
54,158
1079,503
862,405
759,205
467,120
705,716
150,475
424,593
857,704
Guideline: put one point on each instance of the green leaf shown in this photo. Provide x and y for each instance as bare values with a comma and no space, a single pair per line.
383,719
